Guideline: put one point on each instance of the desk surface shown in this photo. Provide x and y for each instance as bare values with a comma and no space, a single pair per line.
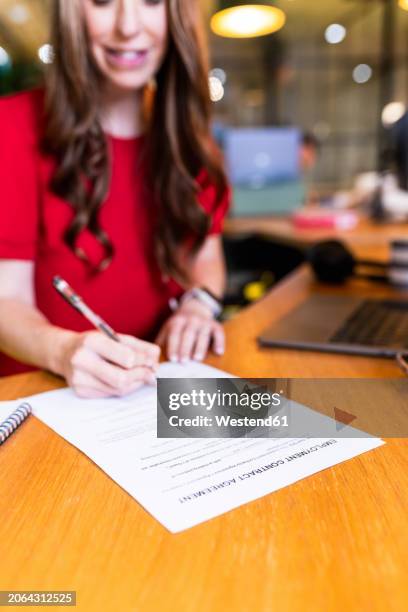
367,239
335,541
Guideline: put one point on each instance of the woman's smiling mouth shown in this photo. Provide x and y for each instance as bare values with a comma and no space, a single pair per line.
126,58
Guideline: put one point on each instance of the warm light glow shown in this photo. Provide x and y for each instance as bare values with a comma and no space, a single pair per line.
392,112
248,20
403,4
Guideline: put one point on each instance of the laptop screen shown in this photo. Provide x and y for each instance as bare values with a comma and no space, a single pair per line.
258,157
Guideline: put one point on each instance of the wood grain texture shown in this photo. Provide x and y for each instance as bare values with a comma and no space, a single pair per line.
335,541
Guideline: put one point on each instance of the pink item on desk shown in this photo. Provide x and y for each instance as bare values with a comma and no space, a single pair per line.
325,219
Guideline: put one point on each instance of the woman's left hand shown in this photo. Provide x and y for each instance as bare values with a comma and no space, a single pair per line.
190,332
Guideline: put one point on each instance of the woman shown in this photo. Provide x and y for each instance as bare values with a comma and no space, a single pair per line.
110,179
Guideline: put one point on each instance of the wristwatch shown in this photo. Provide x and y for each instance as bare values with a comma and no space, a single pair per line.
203,295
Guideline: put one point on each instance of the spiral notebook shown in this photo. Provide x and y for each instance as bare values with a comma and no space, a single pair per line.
11,418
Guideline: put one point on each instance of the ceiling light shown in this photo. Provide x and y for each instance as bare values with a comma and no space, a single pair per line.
216,89
335,33
4,58
403,4
18,13
247,19
220,74
392,112
46,54
362,73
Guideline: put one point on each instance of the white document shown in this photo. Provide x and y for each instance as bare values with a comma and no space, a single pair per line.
6,409
183,482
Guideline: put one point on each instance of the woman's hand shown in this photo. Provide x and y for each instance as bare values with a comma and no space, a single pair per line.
96,366
189,333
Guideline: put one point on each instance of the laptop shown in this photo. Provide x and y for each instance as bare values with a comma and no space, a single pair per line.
258,157
263,168
376,327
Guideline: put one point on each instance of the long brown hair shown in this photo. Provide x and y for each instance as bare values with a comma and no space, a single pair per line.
179,145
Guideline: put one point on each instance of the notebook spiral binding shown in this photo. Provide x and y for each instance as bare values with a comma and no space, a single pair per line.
14,421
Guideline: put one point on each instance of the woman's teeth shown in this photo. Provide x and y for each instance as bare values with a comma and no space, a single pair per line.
126,58
127,54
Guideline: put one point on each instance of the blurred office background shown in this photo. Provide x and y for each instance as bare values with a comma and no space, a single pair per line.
337,69
330,80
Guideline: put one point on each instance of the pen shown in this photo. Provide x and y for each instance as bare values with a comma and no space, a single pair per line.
78,303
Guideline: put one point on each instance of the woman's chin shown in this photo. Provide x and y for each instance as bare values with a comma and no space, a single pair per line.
126,80
126,83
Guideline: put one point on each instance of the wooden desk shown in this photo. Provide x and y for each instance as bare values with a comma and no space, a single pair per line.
368,239
335,541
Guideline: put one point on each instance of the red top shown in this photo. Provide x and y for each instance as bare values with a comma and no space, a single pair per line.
131,294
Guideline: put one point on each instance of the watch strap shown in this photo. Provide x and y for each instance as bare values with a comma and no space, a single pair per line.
202,295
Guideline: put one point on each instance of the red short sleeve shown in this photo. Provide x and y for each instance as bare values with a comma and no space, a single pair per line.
19,191
214,205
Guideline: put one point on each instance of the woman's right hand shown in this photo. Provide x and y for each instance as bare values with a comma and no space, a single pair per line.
96,366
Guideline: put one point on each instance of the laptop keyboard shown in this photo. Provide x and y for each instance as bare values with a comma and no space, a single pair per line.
376,323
